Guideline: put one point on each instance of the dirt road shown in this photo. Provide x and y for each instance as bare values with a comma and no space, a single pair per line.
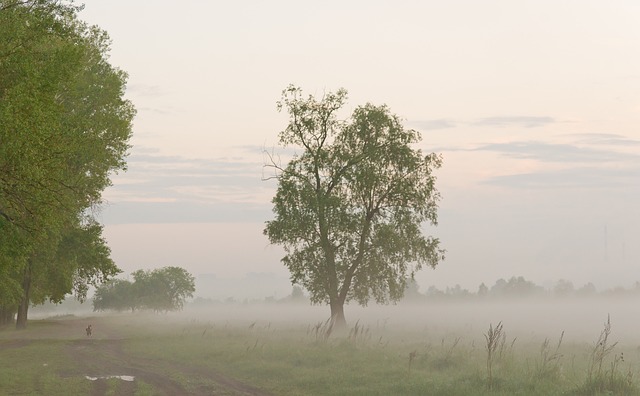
104,360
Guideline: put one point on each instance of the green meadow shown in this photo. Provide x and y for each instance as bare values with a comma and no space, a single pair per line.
217,353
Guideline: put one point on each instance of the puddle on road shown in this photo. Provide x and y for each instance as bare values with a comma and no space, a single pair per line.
122,377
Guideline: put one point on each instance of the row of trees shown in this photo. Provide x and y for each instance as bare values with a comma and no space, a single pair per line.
160,290
502,289
64,129
514,287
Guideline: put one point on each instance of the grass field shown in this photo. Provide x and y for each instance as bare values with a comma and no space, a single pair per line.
239,351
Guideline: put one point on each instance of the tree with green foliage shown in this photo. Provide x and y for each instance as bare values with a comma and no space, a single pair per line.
350,208
160,290
66,262
117,295
164,289
515,287
64,128
80,259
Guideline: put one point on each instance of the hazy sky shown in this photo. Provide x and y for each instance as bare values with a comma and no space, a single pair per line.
535,106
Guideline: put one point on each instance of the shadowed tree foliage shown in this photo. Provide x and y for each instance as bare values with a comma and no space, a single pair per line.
80,259
64,128
350,208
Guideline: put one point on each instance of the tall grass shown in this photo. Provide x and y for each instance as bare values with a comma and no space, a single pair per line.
549,362
494,338
607,379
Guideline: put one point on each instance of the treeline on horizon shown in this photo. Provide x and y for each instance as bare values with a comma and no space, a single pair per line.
513,288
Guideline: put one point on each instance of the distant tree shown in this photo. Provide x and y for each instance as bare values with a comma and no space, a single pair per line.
457,292
350,208
617,291
201,302
515,287
412,291
115,295
297,294
588,289
164,289
160,290
499,287
483,290
563,288
435,293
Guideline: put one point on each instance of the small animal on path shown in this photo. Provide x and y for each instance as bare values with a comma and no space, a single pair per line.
89,328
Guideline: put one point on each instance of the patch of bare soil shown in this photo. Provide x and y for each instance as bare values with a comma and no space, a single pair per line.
104,356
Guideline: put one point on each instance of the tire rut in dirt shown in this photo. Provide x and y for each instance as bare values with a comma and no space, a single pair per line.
101,358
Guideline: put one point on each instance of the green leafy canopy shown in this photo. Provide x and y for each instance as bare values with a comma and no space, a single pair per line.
350,208
64,129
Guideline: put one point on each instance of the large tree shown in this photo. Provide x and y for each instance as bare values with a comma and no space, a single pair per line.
64,128
351,206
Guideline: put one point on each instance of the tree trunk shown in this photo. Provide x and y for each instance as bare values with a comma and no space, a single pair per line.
7,315
21,321
23,308
338,321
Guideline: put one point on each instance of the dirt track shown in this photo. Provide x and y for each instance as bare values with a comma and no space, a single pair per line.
103,355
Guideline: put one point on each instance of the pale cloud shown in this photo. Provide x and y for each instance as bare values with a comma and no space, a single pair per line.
430,125
155,178
521,121
552,152
156,110
497,121
120,197
580,177
607,139
217,194
129,212
594,161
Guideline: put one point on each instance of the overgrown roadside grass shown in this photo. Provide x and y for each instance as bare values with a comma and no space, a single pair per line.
33,368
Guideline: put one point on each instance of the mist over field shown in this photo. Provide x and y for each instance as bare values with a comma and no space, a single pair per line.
549,344
580,318
526,310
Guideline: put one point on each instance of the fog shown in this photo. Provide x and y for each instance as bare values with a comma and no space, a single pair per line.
580,319
527,319
274,335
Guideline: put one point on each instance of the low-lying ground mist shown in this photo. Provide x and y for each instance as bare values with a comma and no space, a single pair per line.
547,346
580,319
